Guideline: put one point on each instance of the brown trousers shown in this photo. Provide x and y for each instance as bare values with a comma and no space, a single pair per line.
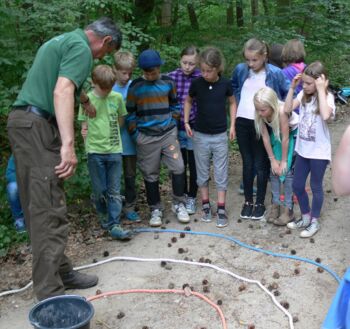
36,147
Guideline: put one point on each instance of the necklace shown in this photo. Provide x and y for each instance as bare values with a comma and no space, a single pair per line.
211,86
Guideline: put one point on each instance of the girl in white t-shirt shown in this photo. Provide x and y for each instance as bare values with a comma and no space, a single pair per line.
313,145
278,130
247,78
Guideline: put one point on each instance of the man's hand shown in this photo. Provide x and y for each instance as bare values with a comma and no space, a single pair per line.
89,109
68,163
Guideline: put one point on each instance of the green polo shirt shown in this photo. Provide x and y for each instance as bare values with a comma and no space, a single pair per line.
67,55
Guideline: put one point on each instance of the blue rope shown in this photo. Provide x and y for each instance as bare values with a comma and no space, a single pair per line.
244,245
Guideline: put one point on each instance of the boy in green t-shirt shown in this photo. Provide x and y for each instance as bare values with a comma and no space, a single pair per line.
104,149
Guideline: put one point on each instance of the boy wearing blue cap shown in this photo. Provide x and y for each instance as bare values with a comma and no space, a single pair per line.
152,122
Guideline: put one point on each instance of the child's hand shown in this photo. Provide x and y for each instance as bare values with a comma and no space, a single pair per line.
84,130
283,168
188,130
321,83
296,80
275,166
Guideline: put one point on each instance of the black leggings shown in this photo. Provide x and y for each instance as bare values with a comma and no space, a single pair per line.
255,157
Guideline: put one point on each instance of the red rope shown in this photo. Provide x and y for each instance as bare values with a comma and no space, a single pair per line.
186,292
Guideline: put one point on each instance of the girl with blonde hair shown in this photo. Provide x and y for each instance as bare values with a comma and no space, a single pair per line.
277,130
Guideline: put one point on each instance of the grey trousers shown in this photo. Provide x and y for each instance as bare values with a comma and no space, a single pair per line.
154,150
36,147
209,148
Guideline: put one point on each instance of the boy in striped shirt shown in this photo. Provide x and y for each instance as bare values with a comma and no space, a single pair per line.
152,121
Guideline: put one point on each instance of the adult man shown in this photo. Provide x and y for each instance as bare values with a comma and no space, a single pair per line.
41,133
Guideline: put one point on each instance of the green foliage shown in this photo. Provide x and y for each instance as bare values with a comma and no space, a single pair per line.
9,237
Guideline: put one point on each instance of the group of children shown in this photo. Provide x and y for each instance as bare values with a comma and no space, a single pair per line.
180,119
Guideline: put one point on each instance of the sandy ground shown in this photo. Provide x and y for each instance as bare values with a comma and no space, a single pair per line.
300,286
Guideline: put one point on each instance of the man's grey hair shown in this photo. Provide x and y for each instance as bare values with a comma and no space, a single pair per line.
106,27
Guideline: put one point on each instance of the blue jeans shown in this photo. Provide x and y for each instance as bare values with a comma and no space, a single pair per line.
288,189
105,173
316,168
13,198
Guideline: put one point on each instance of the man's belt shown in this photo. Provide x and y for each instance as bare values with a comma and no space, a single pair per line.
39,112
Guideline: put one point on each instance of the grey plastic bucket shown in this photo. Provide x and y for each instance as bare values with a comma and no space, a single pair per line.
62,312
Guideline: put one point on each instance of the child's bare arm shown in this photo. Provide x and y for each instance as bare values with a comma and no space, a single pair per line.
121,121
84,130
325,109
285,141
88,107
290,104
233,112
341,166
267,144
187,109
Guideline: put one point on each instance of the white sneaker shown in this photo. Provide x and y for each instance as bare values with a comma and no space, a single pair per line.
181,213
311,230
300,223
156,218
191,206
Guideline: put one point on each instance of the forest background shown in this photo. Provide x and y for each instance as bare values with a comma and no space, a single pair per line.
168,26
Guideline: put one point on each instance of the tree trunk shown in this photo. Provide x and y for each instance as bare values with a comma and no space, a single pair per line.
193,17
255,9
266,7
282,6
175,13
142,13
166,13
166,20
239,13
266,11
229,14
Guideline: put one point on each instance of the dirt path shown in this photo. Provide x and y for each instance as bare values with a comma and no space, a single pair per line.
307,291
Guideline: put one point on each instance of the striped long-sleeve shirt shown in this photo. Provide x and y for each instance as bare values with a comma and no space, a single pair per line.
152,106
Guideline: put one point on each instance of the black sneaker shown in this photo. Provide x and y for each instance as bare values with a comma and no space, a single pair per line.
259,212
247,210
77,280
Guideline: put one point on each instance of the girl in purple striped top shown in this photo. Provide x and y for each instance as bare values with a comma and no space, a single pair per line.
183,77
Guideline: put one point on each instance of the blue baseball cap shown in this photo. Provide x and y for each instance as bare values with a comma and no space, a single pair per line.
150,58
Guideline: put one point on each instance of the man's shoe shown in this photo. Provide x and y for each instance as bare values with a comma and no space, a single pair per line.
259,212
181,213
311,230
76,280
222,220
117,232
156,218
206,213
191,206
247,210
